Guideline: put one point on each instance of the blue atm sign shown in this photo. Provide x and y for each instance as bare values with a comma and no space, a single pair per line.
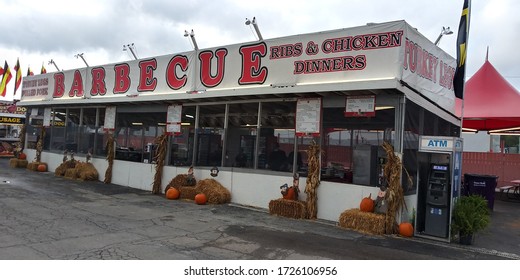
438,143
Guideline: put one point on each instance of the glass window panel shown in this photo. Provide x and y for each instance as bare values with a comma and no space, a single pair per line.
352,145
277,136
241,135
210,135
181,149
58,121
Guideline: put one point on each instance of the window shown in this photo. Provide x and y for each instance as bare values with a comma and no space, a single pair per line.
241,135
210,135
351,146
181,148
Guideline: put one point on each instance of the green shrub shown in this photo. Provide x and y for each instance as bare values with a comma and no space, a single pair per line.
470,215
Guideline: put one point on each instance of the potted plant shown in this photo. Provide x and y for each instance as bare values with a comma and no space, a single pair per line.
470,215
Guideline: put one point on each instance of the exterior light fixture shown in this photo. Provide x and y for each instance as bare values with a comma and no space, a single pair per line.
82,58
255,25
54,63
130,47
192,37
444,31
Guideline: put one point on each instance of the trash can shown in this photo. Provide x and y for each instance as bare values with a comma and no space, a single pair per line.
483,185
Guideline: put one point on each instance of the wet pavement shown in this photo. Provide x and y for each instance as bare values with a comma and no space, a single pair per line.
47,217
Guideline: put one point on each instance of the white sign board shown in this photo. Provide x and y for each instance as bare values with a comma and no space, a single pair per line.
308,116
110,118
360,106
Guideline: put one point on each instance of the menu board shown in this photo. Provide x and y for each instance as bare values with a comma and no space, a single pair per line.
110,118
173,119
47,117
174,114
360,106
308,116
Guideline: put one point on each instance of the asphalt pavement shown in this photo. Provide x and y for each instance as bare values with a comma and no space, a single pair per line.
44,217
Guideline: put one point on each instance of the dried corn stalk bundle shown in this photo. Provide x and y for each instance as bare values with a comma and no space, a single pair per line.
21,142
313,179
39,145
214,191
161,142
86,171
110,158
392,170
364,222
288,208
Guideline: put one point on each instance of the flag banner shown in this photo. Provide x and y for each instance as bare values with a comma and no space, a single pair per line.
29,72
18,77
462,49
5,79
43,71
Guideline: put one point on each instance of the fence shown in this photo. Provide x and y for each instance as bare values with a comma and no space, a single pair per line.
505,166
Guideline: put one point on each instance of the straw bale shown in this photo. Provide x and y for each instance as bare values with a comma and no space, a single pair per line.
214,191
18,163
179,180
187,192
364,222
288,208
71,173
62,169
33,166
86,171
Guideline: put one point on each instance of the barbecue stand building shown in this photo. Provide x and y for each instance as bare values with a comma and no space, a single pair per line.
252,110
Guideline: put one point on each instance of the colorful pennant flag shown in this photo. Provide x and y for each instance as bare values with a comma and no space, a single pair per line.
18,77
43,71
5,79
462,50
29,72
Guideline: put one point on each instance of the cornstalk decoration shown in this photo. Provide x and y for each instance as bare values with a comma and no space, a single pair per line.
392,170
110,157
162,143
39,145
313,179
21,144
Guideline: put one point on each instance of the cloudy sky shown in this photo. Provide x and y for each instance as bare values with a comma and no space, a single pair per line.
37,31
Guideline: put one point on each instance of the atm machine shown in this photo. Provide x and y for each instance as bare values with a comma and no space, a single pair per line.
437,201
439,171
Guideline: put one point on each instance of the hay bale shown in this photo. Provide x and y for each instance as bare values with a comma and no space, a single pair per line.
187,192
86,171
179,181
364,222
214,191
18,163
71,173
288,208
33,166
62,169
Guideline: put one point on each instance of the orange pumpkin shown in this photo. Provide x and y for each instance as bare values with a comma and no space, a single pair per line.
22,156
290,194
406,229
172,193
42,167
201,199
367,204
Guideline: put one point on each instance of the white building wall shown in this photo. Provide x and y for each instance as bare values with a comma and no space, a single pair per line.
248,189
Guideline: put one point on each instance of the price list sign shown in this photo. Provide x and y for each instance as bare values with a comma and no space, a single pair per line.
360,106
173,119
308,116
